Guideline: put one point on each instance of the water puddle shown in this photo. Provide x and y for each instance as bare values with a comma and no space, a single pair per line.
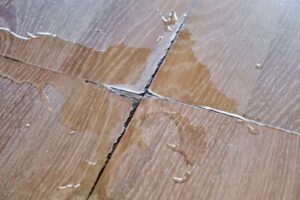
118,64
189,68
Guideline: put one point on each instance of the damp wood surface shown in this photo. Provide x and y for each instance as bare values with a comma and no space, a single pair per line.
116,41
239,57
175,151
56,132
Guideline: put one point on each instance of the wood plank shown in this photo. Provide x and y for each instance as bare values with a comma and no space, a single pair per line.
122,36
55,132
214,61
175,151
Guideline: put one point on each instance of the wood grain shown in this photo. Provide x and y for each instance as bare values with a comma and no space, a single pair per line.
213,62
226,158
123,35
55,131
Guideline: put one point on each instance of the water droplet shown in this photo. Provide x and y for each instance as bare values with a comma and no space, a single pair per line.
72,132
91,163
258,66
28,125
169,29
65,187
176,149
183,179
171,20
69,186
98,30
160,37
173,147
252,130
173,17
185,15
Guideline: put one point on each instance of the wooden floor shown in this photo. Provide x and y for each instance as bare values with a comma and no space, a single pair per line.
185,99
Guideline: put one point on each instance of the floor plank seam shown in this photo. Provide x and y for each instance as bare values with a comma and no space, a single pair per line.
13,59
114,146
134,96
167,51
236,116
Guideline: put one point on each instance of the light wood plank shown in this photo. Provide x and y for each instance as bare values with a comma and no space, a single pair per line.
54,131
213,62
123,35
226,159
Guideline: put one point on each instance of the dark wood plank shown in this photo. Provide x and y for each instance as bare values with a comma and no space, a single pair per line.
239,57
55,132
123,35
174,151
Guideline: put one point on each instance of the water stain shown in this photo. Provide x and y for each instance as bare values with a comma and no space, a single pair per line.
78,104
184,77
16,101
192,138
118,64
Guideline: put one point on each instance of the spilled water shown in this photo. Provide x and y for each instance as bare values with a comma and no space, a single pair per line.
188,79
116,65
191,142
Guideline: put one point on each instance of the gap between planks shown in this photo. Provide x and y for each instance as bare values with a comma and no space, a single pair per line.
137,97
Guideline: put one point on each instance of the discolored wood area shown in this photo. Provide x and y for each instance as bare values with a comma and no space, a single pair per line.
175,151
240,57
56,132
123,37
